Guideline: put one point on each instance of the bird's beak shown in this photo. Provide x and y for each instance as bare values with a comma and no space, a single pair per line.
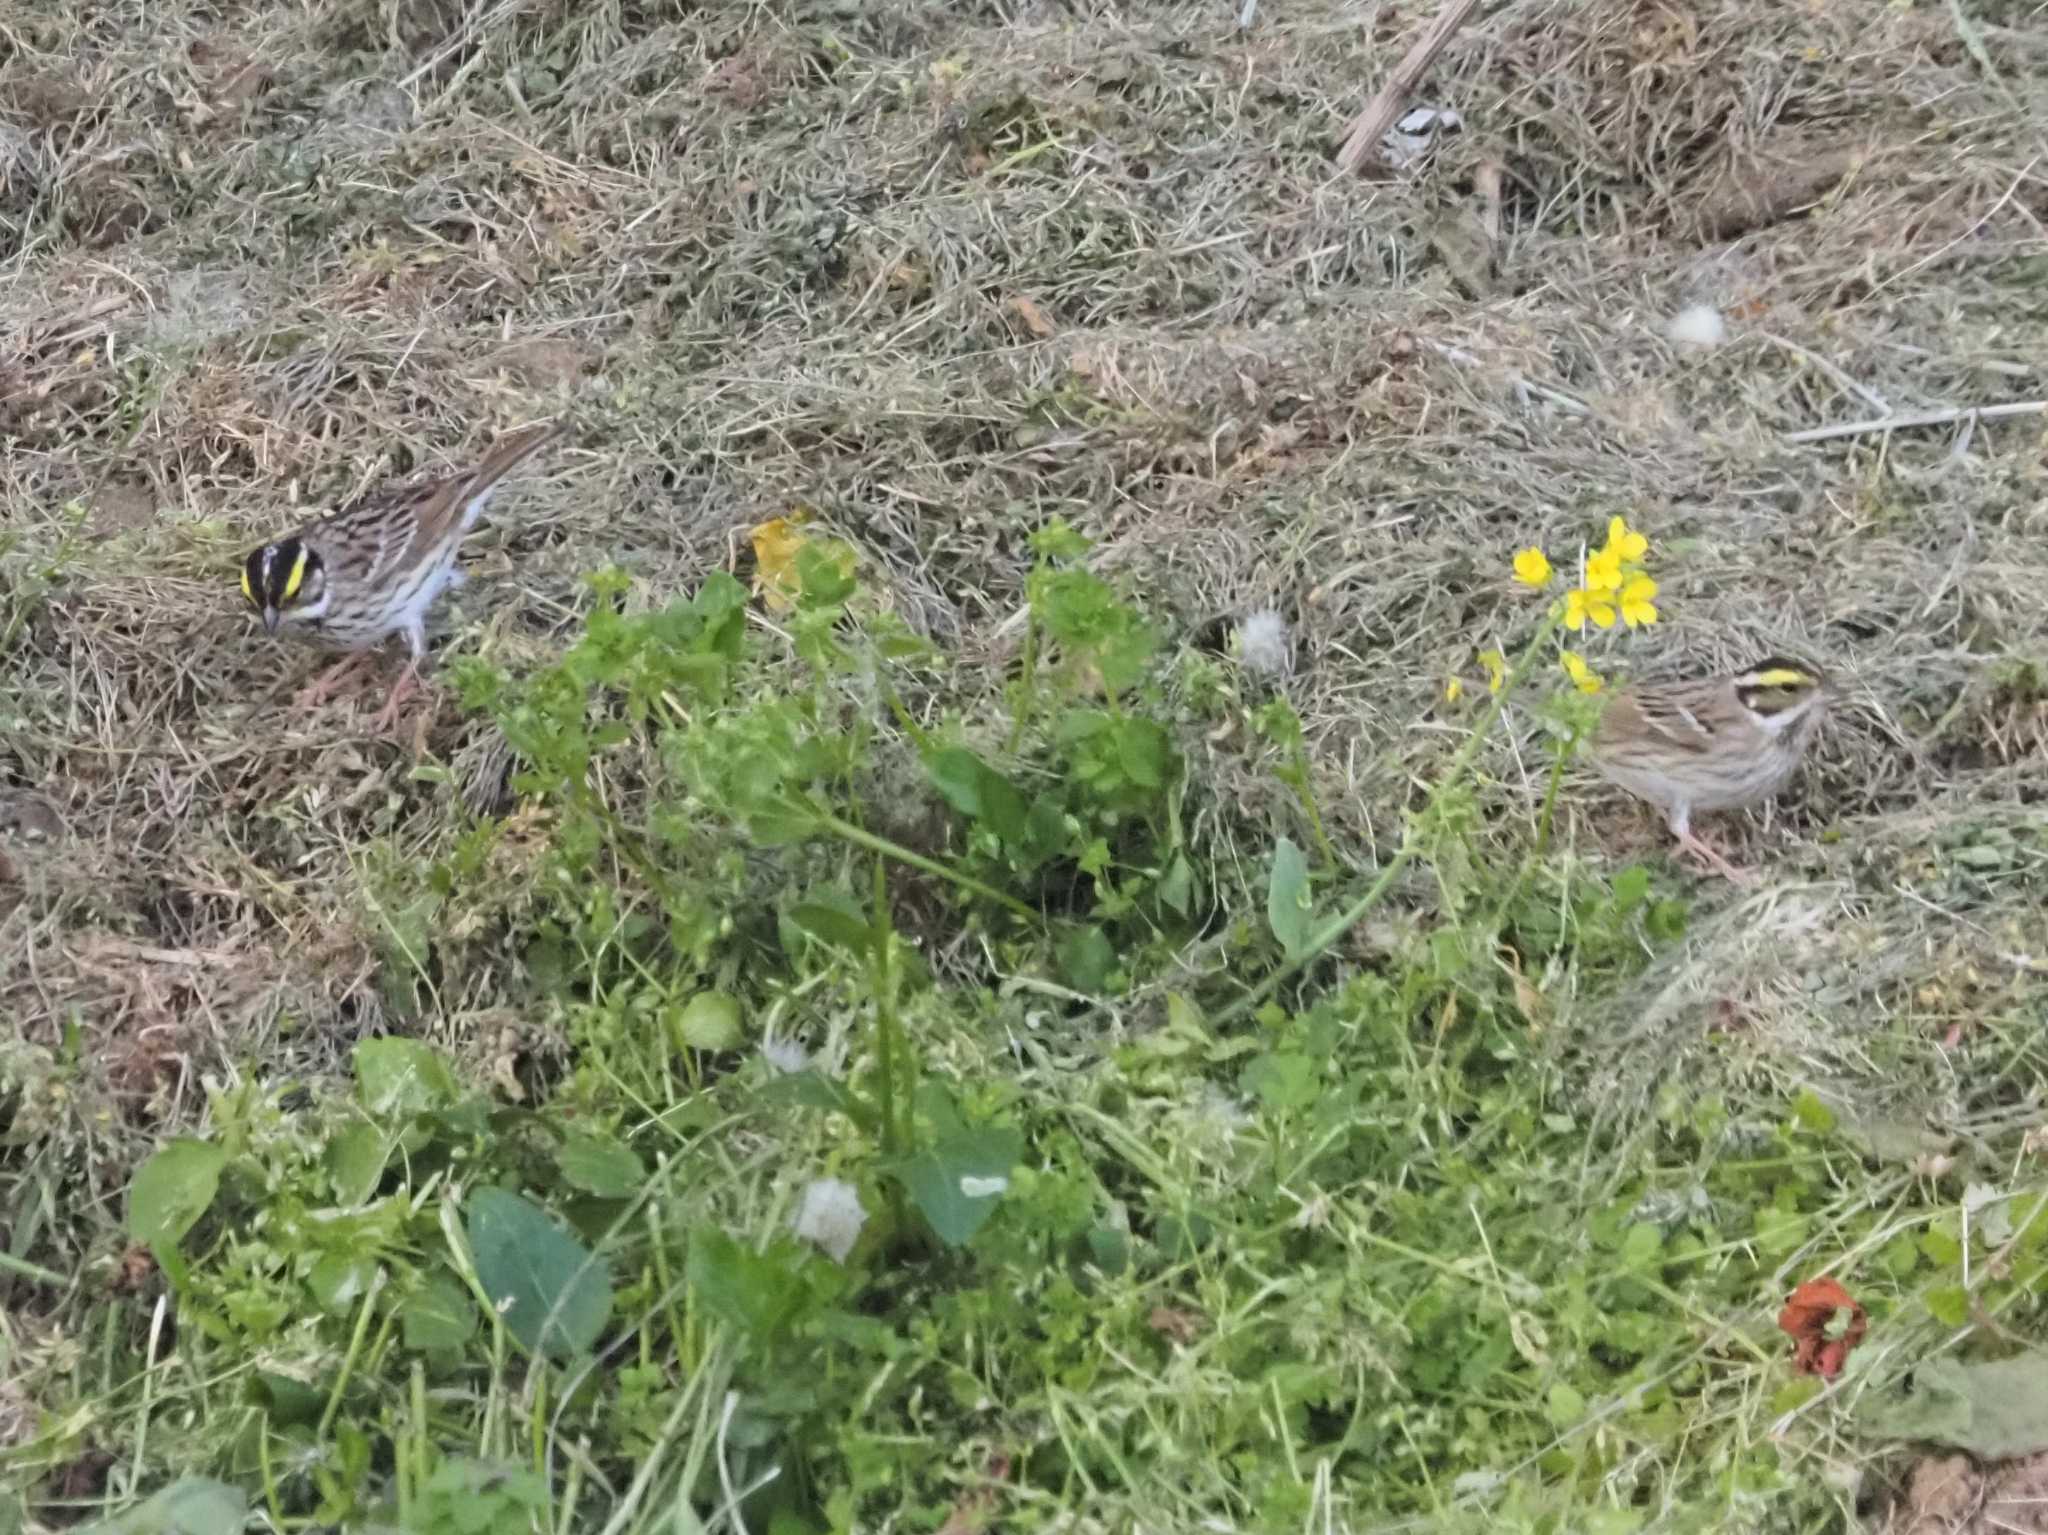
270,619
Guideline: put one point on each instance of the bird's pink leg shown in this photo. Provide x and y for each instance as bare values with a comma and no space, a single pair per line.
323,687
408,682
1713,860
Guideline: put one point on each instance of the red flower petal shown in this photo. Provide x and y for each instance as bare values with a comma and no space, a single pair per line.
1805,1320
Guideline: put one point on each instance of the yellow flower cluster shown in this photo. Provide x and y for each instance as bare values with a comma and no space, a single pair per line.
1614,587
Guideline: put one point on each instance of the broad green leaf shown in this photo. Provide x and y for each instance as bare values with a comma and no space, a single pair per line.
1289,910
813,1090
339,1280
192,1505
553,1294
439,1316
979,792
172,1190
1283,1079
1811,1113
1143,753
709,1021
599,1165
1087,958
355,1161
400,1077
957,1182
1949,1304
1641,1247
288,1401
829,925
1996,1409
1566,1405
761,1293
956,773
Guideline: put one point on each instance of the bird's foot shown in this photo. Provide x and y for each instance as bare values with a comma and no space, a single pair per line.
408,682
1713,861
324,686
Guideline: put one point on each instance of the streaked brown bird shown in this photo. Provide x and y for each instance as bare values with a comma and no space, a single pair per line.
375,567
1713,745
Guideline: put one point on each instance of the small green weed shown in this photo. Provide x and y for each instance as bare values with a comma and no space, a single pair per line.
837,1216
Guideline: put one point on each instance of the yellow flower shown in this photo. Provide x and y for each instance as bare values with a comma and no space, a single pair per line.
1603,570
1532,569
1624,543
1636,607
1596,603
1583,676
1454,690
1496,666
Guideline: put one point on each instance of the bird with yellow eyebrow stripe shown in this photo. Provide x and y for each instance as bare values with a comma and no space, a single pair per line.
1712,745
375,567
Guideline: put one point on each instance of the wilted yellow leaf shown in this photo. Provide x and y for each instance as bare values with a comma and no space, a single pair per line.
776,543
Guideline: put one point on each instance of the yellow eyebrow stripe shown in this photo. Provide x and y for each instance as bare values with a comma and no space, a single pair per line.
246,590
298,574
1781,677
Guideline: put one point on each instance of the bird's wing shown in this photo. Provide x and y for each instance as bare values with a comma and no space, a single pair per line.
441,505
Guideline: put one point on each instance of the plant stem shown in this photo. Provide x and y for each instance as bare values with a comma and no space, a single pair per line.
861,837
1359,909
1542,843
885,1016
1308,805
1027,681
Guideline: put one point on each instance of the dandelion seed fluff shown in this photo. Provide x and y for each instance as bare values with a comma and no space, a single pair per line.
1264,644
1698,325
830,1216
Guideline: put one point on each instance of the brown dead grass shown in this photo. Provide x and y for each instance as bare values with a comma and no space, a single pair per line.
942,272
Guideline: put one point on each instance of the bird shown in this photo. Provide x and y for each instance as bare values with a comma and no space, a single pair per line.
375,567
1716,744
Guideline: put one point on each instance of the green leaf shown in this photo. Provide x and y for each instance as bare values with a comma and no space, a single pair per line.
288,1401
1949,1304
1995,1409
829,925
599,1165
956,773
1567,1406
1087,959
339,1280
553,1294
956,1183
192,1505
1631,888
1640,1248
355,1160
172,1190
762,1293
1143,753
1284,1079
979,792
1811,1113
439,1317
709,1021
401,1077
1290,911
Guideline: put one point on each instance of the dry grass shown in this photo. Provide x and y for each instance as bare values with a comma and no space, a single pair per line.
943,271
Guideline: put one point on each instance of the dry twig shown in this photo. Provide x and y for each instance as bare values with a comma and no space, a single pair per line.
1944,417
1364,133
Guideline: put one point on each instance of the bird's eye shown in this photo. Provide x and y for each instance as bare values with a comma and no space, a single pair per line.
298,575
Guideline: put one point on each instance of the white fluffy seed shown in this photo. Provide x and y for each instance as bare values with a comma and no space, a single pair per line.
830,1216
1698,325
1264,645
